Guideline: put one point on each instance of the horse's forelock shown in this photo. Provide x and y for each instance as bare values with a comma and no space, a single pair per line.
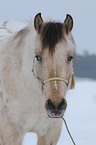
51,34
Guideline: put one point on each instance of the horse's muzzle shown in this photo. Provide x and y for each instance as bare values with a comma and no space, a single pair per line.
56,111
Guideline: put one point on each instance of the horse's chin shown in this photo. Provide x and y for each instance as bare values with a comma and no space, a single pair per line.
54,115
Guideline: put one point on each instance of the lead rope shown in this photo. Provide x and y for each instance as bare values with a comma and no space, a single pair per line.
68,131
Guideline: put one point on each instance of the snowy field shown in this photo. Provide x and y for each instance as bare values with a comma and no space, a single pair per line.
81,111
80,116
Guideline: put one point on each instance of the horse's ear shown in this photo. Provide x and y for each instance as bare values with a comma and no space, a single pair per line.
72,86
68,24
38,22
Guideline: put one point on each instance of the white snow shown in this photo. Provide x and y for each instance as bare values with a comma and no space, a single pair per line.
80,116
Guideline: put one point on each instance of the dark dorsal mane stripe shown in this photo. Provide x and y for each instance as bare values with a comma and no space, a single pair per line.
51,34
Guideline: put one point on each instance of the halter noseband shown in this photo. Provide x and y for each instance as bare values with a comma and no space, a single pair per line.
52,79
56,79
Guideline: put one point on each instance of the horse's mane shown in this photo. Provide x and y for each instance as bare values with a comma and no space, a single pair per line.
21,35
51,34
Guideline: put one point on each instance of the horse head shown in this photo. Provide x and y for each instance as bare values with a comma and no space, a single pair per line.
53,62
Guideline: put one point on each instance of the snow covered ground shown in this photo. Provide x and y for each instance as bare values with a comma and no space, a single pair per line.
80,116
81,111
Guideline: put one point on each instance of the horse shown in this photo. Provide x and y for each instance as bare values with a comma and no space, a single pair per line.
36,71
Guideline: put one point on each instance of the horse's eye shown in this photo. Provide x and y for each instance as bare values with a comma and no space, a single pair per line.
70,58
38,57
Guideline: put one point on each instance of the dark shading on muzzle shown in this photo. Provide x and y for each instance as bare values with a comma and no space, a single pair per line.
56,111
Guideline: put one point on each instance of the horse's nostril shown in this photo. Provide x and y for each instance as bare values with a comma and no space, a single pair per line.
56,110
49,105
62,105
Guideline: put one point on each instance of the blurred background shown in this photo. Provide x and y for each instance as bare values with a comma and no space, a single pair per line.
81,110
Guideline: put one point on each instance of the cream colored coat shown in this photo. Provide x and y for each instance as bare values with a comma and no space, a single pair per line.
22,104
